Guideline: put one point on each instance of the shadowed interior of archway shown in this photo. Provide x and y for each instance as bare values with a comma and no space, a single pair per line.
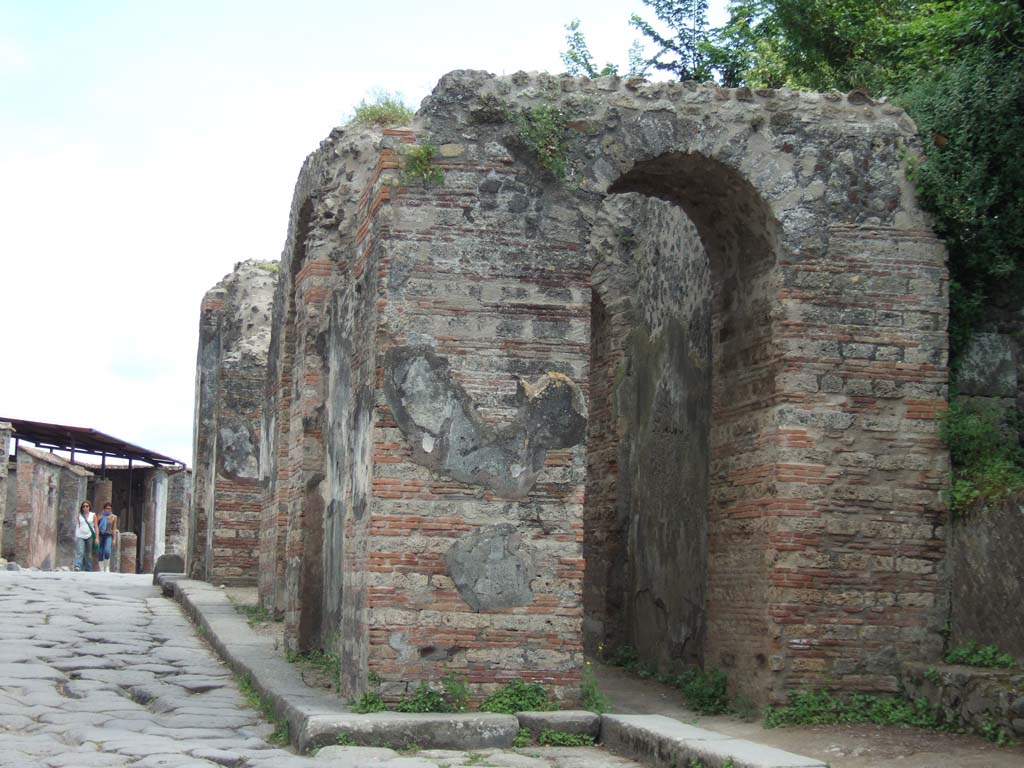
682,383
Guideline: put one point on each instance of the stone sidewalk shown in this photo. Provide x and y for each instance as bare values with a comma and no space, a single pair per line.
101,670
317,718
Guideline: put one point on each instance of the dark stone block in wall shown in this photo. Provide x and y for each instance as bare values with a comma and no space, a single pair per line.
491,568
168,564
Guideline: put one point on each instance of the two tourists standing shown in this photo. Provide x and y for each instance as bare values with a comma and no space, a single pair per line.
94,534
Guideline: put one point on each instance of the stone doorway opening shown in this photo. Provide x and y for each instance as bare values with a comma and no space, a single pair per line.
683,372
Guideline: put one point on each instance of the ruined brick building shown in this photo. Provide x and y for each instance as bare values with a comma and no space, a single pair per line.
668,377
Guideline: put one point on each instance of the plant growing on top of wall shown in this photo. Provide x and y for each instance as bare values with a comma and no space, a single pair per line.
541,130
418,167
384,109
490,109
973,655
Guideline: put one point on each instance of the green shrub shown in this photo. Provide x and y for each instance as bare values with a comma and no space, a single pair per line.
371,701
456,692
523,738
822,708
549,738
969,110
425,699
988,463
418,167
591,696
991,730
517,696
705,691
974,655
384,109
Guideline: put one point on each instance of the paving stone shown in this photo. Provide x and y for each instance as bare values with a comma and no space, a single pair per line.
147,693
351,757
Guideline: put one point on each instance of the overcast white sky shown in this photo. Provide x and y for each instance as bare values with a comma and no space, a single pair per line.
146,146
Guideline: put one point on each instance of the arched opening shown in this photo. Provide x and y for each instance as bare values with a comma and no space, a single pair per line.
682,382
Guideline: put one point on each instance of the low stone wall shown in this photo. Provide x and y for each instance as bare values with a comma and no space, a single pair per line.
989,701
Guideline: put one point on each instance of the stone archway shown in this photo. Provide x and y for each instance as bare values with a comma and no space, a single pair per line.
826,332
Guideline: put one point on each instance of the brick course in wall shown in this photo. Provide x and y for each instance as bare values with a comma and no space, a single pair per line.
825,526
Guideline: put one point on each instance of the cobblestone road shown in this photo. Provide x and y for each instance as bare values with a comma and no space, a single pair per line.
101,670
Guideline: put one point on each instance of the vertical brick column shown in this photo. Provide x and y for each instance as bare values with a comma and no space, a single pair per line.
498,310
204,449
856,539
129,550
148,532
102,493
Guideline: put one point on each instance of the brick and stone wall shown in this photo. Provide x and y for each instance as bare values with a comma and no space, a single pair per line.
230,386
427,504
49,492
179,504
5,449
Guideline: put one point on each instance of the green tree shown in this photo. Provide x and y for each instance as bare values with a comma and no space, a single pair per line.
685,50
579,62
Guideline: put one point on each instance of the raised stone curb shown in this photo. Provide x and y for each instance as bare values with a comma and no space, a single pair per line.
318,720
575,721
314,719
663,742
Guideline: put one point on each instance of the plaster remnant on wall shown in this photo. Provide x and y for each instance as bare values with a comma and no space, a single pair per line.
492,568
236,452
445,434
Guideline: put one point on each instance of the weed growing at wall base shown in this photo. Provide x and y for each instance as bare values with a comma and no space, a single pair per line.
591,696
550,738
281,734
705,691
974,655
517,696
822,708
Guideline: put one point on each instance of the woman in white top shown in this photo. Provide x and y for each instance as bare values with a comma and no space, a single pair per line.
85,530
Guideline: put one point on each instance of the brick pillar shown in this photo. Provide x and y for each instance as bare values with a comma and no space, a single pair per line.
5,443
148,532
129,546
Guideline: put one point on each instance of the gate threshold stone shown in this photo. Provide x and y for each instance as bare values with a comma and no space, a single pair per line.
317,719
663,742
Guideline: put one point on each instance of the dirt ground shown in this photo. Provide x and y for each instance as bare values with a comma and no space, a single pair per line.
849,746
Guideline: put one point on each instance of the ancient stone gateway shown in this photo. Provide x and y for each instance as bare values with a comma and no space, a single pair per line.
684,398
